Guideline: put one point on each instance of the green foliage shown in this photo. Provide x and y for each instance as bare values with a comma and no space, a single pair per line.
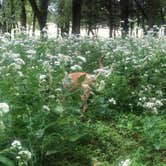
125,120
6,161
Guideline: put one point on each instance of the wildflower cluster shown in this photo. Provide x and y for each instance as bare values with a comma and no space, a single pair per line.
127,162
22,155
4,108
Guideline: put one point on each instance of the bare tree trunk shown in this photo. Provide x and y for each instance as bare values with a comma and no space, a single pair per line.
63,26
152,8
141,8
44,13
12,23
124,12
40,12
1,23
23,14
65,29
76,16
34,25
109,7
110,28
162,15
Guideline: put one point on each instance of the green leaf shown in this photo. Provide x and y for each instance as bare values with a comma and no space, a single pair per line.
51,152
76,137
6,161
82,78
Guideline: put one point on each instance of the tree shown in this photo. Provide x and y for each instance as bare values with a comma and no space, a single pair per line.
8,14
124,15
23,18
40,12
91,12
64,16
76,16
109,7
152,8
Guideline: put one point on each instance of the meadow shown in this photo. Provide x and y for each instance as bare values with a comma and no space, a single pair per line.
42,123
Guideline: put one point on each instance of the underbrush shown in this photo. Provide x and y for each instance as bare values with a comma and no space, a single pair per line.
42,123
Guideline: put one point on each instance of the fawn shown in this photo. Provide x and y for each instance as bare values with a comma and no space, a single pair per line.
83,80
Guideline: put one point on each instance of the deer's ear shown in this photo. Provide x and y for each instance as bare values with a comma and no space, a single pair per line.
81,78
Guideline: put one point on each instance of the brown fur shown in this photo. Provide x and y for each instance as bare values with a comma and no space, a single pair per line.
85,84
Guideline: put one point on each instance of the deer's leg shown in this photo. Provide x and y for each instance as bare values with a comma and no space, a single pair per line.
85,96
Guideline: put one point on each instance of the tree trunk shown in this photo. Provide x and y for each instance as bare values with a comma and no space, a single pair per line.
64,25
44,12
141,8
4,23
76,16
65,29
124,12
110,28
162,15
34,25
152,8
23,14
12,22
40,12
110,11
1,24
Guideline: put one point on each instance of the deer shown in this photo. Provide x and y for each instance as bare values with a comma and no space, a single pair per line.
83,80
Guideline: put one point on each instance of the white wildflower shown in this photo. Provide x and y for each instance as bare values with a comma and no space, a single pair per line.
25,154
58,90
158,103
46,64
42,78
112,100
153,104
106,71
61,55
87,52
63,58
76,68
18,157
101,86
49,56
83,59
59,109
57,63
46,108
149,105
31,51
19,61
4,108
51,97
20,74
127,162
15,66
154,110
16,144
14,55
